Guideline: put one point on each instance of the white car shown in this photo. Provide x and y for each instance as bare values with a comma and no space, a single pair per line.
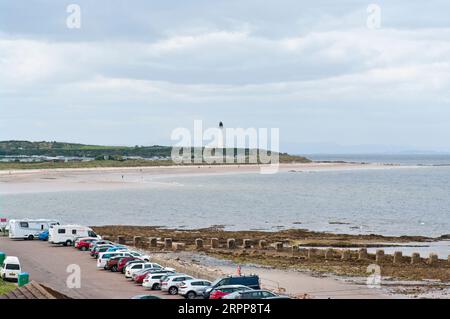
171,284
10,269
140,255
190,289
153,281
134,268
105,256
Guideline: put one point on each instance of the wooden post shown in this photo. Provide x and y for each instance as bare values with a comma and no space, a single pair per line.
279,246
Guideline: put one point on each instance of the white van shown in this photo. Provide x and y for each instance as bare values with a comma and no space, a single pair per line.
29,228
10,269
67,234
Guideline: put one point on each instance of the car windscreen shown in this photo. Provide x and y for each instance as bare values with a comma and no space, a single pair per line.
12,266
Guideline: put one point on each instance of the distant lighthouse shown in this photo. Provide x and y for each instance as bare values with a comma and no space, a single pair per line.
221,141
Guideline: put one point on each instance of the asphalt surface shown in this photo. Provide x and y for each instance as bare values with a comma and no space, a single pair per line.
48,264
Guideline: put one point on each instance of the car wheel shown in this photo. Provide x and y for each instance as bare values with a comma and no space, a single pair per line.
155,286
68,243
83,248
191,295
114,268
31,237
173,290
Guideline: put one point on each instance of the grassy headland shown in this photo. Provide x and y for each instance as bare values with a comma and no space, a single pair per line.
99,155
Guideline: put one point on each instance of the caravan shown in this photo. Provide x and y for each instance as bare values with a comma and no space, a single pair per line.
67,234
29,228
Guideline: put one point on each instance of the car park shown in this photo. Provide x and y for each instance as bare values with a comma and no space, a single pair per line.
251,294
11,268
172,283
219,292
192,288
251,281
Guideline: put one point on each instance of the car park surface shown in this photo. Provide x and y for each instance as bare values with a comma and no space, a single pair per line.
49,264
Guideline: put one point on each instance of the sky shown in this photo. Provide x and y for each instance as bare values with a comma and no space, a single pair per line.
333,76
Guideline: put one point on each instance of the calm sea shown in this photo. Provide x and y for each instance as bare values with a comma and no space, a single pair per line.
395,201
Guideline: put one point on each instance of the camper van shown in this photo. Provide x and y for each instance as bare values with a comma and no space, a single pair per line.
10,269
29,228
67,234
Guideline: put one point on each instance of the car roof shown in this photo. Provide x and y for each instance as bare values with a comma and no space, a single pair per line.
196,279
12,260
233,286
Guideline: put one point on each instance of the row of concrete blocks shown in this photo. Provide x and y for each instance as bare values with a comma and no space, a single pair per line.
168,244
379,255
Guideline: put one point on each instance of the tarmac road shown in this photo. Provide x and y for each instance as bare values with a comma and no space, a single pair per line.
48,264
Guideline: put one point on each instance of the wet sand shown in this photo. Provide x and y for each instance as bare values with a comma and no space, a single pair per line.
85,179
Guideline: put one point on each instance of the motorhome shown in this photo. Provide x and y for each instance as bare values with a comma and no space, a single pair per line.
29,228
67,234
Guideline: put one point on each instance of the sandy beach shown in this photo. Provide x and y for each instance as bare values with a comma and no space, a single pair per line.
50,180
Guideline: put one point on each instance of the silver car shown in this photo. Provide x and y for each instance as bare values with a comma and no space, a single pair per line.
192,288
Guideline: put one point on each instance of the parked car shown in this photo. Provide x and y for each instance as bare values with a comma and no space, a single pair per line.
117,248
251,281
84,243
112,262
139,276
219,292
122,263
153,280
104,257
140,255
172,283
93,245
146,297
10,269
43,235
131,262
251,294
130,270
99,249
190,289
